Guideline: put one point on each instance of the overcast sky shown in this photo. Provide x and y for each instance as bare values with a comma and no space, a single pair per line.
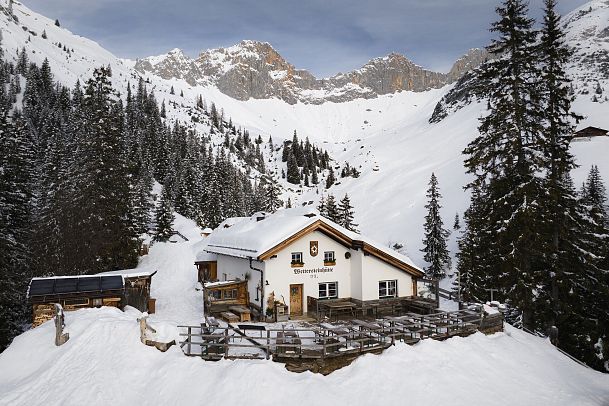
323,36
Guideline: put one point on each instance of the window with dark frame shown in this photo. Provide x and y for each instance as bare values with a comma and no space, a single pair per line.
297,258
388,289
329,258
328,290
230,294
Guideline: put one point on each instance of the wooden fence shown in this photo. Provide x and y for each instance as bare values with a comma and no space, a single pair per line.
323,341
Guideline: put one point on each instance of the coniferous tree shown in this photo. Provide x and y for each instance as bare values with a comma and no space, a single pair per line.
103,197
346,214
293,175
330,179
457,223
434,243
472,252
507,156
321,207
164,217
314,178
272,193
331,210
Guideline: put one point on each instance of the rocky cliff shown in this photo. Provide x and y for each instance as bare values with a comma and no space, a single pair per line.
254,69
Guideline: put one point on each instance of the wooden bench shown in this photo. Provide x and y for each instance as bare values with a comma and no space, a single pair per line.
243,312
229,317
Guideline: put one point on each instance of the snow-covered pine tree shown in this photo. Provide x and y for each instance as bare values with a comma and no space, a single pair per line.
314,177
293,175
472,253
164,217
272,193
434,242
457,223
330,179
322,208
569,299
346,214
331,209
102,186
507,157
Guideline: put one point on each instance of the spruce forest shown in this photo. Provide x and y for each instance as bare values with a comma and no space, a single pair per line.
78,172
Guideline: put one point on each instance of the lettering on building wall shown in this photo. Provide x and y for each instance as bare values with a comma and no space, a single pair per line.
313,272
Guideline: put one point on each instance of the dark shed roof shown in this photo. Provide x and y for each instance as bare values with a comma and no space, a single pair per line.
62,285
591,132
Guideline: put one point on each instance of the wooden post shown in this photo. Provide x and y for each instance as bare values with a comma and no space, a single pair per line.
60,336
323,346
226,342
189,339
268,344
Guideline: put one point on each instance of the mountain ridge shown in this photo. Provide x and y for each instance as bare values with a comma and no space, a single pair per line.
254,69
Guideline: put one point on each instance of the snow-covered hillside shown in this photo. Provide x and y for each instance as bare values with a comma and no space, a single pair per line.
104,362
387,137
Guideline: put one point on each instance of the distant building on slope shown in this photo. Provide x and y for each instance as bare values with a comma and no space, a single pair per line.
301,259
590,132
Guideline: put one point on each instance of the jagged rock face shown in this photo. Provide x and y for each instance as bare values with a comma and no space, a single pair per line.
391,74
586,32
471,60
254,69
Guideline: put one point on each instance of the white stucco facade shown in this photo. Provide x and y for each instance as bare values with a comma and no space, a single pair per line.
356,274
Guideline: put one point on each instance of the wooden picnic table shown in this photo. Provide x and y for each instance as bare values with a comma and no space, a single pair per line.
340,307
365,324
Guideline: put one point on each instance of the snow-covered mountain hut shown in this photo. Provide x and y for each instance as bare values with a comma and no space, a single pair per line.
303,260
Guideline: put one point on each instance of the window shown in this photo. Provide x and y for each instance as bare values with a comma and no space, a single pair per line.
76,302
297,259
329,258
388,289
230,294
328,290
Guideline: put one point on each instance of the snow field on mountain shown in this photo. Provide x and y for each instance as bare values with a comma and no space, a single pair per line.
388,136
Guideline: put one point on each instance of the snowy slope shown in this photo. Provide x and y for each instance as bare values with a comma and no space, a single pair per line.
104,363
388,137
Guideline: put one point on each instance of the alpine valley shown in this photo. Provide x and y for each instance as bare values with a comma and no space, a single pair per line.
384,118
272,136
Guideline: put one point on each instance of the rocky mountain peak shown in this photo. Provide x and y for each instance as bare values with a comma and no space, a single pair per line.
254,69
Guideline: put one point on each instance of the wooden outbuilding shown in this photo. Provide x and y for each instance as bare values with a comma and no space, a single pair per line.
137,291
73,293
590,132
78,292
221,296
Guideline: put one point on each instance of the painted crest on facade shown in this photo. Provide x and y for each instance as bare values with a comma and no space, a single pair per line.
314,248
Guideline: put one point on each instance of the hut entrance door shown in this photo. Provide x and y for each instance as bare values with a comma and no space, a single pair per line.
296,300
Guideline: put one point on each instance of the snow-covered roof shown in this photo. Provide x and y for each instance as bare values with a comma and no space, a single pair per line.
203,256
251,237
129,273
221,283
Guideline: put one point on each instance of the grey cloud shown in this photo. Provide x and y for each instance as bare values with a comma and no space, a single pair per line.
320,35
